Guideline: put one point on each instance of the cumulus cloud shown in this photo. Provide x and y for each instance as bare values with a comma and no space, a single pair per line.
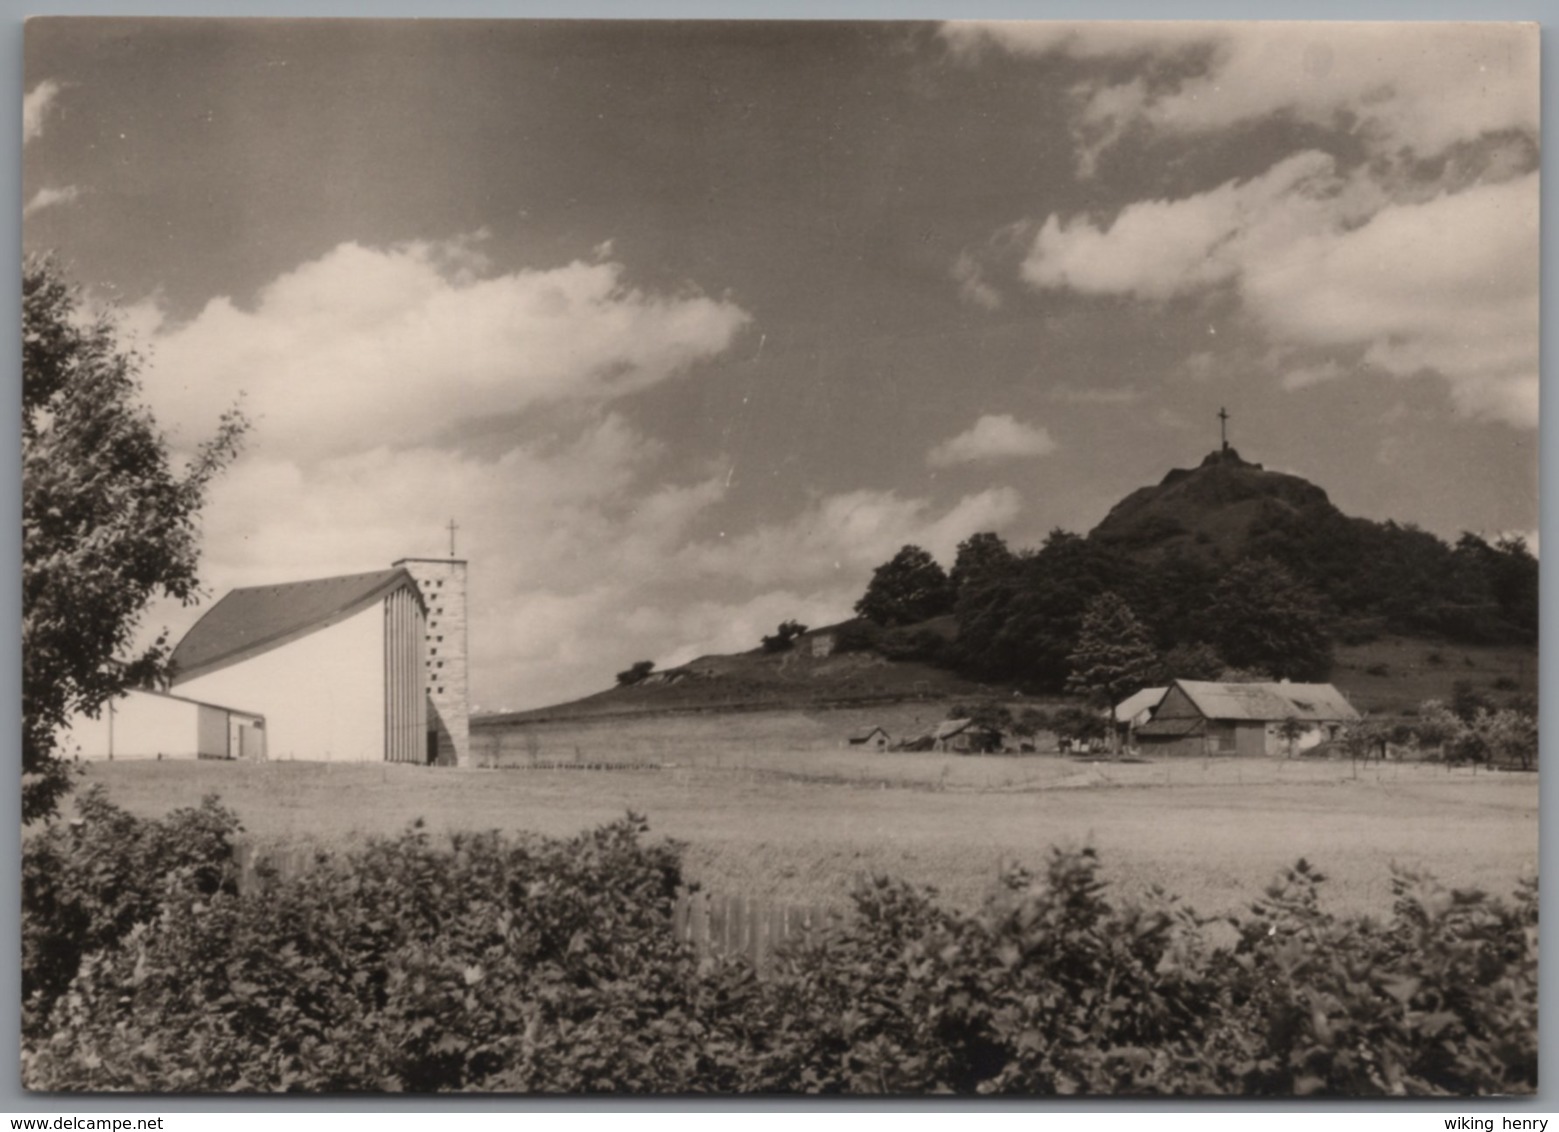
45,198
840,538
1445,285
1422,86
992,437
365,346
590,548
35,106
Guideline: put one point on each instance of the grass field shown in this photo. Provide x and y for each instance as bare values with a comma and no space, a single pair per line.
800,825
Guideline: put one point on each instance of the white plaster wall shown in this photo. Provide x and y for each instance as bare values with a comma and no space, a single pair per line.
322,695
144,727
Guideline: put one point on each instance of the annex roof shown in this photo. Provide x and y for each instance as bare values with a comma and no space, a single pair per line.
256,619
1134,705
1268,702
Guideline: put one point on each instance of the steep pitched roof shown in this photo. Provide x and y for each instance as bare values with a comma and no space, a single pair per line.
1133,705
247,622
1267,702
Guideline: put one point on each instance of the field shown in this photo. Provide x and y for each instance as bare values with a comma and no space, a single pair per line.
798,818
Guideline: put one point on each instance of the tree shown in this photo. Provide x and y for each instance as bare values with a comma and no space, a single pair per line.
910,587
1197,661
107,522
784,637
1113,657
636,673
979,557
1021,624
1262,617
1290,730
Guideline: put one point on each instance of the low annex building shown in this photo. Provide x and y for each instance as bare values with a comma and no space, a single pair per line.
1199,717
143,724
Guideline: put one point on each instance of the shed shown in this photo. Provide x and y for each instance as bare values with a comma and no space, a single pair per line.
876,738
1135,710
1200,717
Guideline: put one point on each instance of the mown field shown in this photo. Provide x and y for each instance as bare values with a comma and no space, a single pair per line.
801,824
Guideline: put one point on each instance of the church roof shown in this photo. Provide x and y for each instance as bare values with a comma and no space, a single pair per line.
256,619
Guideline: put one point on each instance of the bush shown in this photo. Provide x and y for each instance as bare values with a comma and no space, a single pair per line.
859,635
88,882
635,674
529,964
784,637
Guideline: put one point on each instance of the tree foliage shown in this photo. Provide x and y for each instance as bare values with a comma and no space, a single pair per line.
635,673
518,963
108,521
1113,657
909,587
784,637
979,558
1262,617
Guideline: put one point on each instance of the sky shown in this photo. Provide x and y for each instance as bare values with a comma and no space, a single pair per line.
688,326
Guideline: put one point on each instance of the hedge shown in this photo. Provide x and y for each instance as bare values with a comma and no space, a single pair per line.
519,963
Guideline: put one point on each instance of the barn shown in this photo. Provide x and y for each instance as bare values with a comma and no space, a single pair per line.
1199,717
144,724
357,668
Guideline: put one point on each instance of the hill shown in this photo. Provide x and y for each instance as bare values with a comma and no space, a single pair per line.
1211,510
813,674
1411,615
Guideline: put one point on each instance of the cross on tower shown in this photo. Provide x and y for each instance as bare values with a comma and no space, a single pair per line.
453,527
1223,427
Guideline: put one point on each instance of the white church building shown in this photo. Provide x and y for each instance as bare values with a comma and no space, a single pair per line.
358,668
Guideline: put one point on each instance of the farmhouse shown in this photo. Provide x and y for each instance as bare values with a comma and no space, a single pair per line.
1198,717
357,668
876,738
143,724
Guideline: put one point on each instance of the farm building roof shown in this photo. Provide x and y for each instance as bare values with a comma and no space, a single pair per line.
249,621
1268,702
1133,705
950,727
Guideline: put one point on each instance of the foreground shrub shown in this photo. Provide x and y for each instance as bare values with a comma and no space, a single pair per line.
529,964
86,883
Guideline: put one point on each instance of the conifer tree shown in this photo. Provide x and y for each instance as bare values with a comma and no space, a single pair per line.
1114,654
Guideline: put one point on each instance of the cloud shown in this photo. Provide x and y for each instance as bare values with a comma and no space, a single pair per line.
1420,86
45,198
35,107
841,538
1157,249
992,437
368,346
972,287
1445,285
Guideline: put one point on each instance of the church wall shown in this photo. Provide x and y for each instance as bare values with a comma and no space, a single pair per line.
323,695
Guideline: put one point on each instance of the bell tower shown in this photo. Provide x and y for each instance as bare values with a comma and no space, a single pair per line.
442,582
